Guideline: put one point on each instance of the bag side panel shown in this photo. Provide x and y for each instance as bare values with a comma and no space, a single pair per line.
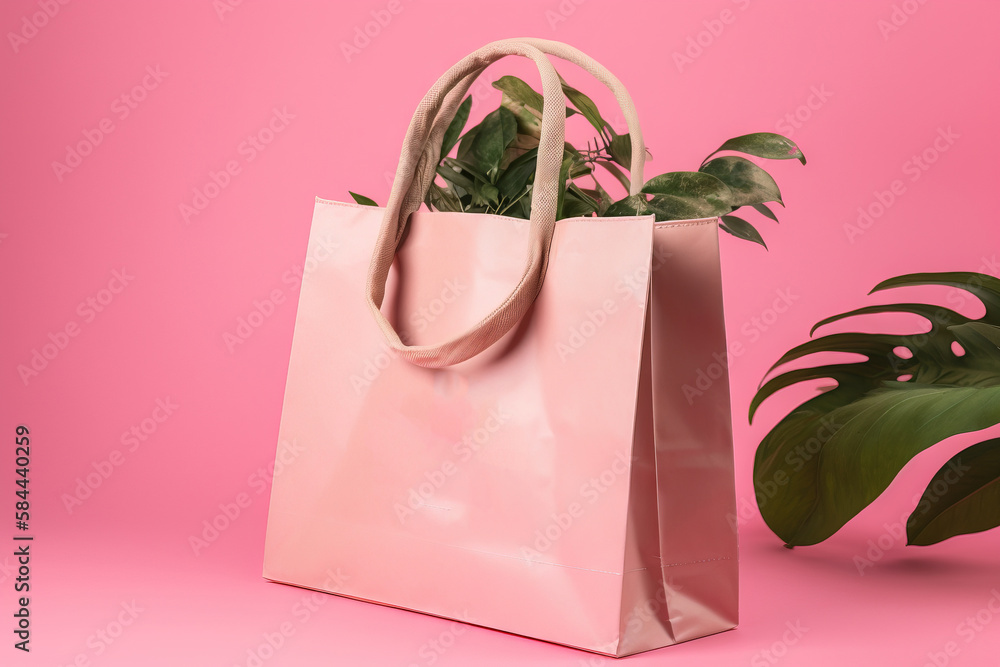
693,430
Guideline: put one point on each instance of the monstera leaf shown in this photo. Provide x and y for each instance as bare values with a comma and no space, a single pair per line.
837,452
962,497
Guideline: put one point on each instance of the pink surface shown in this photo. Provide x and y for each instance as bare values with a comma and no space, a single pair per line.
261,108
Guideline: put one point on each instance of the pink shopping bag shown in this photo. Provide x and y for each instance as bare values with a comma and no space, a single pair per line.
504,441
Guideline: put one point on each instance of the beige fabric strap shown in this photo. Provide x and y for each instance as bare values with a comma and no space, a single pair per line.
568,53
419,159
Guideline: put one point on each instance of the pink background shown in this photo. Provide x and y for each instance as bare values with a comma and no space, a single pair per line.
878,97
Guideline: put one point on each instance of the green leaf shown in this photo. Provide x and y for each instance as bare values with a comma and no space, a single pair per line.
963,497
977,334
465,144
924,310
462,165
616,172
577,204
456,126
834,454
585,105
579,167
361,199
521,207
515,178
765,211
863,443
620,149
601,196
693,185
495,133
750,184
628,206
525,103
741,229
456,177
583,195
671,207
522,144
520,93
443,199
764,144
487,193
564,169
479,193
665,207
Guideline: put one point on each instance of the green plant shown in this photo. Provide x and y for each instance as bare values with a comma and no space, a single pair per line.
834,454
493,168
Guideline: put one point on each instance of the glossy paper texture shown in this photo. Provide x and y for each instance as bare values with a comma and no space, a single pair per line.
560,485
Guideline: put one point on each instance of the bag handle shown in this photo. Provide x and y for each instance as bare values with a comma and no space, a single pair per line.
571,54
418,162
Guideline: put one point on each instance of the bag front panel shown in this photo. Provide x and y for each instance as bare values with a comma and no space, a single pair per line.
495,490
